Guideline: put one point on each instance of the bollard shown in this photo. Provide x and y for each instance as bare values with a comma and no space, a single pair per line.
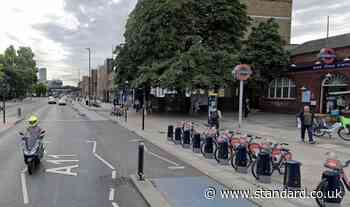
208,148
141,161
241,159
223,153
186,139
170,133
19,112
178,132
331,188
126,115
196,143
263,167
292,175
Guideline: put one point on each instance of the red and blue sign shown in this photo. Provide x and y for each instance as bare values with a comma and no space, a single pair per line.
327,55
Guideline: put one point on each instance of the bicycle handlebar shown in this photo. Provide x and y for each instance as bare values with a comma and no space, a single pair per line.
347,163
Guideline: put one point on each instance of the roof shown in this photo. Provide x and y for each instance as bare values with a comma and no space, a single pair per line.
316,45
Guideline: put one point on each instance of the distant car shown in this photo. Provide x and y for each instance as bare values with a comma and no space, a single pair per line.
62,102
52,100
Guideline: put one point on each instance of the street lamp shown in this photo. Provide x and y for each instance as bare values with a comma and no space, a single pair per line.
90,77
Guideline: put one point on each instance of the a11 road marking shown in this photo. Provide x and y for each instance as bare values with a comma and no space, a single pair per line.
65,170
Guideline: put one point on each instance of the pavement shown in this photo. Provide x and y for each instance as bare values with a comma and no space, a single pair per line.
88,163
274,127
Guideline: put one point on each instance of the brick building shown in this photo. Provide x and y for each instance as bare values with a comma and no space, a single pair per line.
105,80
321,79
84,86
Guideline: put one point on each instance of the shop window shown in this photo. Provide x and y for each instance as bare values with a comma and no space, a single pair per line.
282,88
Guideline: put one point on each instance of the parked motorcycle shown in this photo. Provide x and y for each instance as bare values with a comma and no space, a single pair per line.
33,150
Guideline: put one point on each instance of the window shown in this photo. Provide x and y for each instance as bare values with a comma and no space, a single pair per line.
282,88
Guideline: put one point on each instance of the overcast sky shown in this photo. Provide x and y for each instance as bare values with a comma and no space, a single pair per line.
59,30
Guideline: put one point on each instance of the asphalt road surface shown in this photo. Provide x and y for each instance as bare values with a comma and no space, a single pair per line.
88,161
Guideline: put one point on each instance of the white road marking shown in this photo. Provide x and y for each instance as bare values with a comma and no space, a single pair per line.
24,186
175,166
98,156
136,140
104,161
114,174
67,170
59,156
111,194
57,162
114,204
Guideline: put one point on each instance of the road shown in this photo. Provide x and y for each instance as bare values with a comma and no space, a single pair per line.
88,161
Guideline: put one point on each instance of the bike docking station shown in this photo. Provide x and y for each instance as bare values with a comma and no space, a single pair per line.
292,175
178,135
241,160
223,153
170,134
330,190
196,143
263,168
208,151
186,139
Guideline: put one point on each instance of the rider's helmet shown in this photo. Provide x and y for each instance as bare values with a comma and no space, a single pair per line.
33,121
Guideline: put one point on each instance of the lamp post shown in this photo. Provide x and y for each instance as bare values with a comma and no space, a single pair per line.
328,76
90,77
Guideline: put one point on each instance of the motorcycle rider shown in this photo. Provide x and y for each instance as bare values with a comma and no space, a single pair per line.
33,132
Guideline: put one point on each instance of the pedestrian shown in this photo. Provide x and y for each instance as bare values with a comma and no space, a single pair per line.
197,107
137,105
306,121
246,107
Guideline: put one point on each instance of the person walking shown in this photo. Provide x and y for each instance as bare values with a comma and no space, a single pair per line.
246,107
306,121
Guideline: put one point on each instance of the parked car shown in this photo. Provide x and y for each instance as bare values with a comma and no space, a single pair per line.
62,102
52,100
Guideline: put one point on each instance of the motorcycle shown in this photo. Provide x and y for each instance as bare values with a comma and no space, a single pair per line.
32,152
342,128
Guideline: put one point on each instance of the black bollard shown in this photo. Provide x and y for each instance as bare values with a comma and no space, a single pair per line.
170,133
331,189
263,167
141,161
196,143
186,139
241,159
292,175
209,148
223,153
178,134
19,112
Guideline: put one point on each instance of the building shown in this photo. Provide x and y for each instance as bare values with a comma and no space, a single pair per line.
94,83
280,10
319,76
105,81
42,75
84,86
54,83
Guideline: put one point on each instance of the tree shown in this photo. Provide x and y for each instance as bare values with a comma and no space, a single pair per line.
19,68
264,51
181,44
40,89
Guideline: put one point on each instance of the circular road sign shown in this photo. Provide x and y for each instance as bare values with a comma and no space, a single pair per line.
242,72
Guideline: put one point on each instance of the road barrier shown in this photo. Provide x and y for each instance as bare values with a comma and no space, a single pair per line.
170,134
222,156
241,159
178,135
186,139
196,143
292,176
333,185
141,161
263,167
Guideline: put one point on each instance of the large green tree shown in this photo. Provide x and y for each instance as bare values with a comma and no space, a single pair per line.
264,51
19,68
181,44
40,89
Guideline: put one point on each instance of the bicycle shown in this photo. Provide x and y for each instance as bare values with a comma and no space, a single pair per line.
279,156
334,165
224,138
209,133
252,148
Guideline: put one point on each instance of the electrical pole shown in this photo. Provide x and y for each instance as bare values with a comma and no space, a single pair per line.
327,32
90,77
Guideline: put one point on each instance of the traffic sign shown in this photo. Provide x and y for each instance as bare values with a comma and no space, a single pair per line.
242,72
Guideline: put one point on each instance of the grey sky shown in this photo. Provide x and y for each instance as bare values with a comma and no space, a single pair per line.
60,30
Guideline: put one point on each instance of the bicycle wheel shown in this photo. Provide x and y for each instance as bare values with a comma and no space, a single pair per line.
344,134
232,158
216,155
322,187
253,169
318,132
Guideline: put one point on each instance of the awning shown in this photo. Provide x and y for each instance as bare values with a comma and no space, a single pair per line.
339,93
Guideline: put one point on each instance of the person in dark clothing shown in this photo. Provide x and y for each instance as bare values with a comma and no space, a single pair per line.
306,118
246,107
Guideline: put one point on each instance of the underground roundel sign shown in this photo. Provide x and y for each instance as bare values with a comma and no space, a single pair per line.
242,72
327,55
